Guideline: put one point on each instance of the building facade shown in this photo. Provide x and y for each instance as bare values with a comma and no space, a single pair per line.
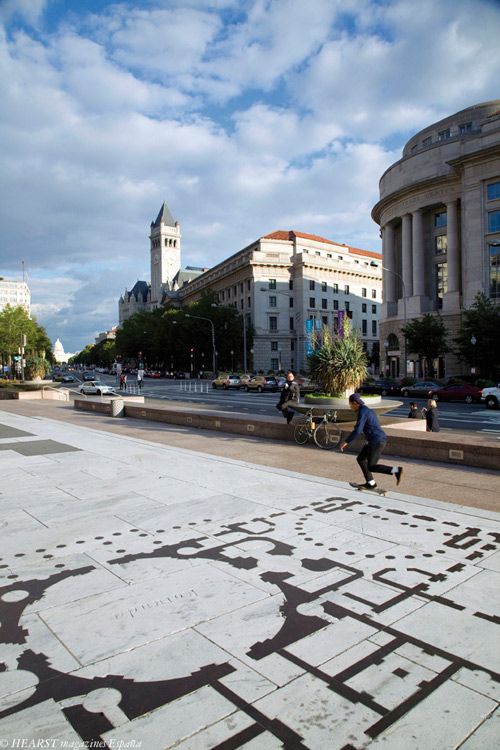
439,213
286,283
14,293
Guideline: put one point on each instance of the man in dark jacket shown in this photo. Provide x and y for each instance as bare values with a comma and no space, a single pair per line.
290,396
368,424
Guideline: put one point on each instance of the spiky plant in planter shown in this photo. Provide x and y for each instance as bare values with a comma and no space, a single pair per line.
339,363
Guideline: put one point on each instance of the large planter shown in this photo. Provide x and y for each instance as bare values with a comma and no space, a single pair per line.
341,406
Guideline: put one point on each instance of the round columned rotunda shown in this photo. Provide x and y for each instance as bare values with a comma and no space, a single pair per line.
439,214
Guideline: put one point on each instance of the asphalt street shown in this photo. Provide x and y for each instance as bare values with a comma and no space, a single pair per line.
452,416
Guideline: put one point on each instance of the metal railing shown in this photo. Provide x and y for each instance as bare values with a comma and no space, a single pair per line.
194,386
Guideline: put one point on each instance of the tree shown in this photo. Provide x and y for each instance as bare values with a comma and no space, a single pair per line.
339,364
14,323
427,337
481,323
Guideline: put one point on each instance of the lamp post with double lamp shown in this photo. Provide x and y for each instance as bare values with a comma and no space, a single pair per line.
473,341
214,353
398,276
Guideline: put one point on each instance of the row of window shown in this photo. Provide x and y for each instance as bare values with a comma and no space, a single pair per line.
168,242
273,324
444,135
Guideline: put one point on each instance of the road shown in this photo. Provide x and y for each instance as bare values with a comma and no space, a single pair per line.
452,416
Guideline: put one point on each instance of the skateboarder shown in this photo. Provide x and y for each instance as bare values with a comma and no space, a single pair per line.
368,424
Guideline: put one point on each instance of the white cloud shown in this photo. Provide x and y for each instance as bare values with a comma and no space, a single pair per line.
245,116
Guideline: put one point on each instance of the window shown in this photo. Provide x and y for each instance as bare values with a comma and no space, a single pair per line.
493,191
272,283
335,304
311,284
228,290
324,320
346,289
241,287
493,221
335,288
347,306
291,326
414,148
235,289
324,304
274,346
465,127
274,364
290,283
290,302
248,285
494,263
249,302
222,295
374,327
312,301
363,292
427,141
272,301
363,307
364,327
443,135
242,304
323,286
441,282
440,219
374,309
441,244
292,345
273,323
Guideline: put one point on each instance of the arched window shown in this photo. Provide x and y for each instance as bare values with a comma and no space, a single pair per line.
393,341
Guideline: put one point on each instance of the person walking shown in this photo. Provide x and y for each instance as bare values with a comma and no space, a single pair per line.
431,416
290,397
414,412
368,424
140,378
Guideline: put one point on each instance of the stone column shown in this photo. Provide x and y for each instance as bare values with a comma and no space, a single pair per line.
453,254
418,254
389,260
407,256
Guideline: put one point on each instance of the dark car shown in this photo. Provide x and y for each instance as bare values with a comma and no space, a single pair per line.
262,383
422,388
88,376
458,392
381,387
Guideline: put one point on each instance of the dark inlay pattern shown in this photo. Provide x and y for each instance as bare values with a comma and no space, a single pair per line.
38,447
315,591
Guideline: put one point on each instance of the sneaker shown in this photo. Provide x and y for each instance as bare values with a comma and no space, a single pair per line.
399,474
368,486
289,418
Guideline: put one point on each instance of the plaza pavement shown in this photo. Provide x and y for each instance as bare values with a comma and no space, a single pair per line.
161,589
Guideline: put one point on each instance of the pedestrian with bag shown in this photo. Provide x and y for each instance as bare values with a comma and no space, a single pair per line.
368,424
290,397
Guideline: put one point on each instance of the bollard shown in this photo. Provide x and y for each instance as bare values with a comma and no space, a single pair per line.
117,407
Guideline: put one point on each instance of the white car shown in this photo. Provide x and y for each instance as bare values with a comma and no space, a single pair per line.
94,387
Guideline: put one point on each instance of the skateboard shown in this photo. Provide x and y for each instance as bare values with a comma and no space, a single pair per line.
374,490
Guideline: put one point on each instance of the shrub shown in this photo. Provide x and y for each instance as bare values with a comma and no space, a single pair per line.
339,364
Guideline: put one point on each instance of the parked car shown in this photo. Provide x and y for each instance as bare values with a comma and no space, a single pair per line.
88,375
422,388
96,388
262,383
152,374
67,378
245,378
458,392
281,380
226,381
382,387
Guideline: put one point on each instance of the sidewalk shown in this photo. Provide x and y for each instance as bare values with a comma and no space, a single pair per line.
162,589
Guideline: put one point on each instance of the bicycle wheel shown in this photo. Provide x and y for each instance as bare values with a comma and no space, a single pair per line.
301,433
327,436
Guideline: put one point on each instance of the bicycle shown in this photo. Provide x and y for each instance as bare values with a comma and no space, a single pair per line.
326,434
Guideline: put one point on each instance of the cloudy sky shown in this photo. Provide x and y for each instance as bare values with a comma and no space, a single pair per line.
246,116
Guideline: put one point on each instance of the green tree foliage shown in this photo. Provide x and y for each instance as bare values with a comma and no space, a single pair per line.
481,321
339,364
15,322
427,337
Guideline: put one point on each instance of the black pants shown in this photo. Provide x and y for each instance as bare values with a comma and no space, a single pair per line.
368,460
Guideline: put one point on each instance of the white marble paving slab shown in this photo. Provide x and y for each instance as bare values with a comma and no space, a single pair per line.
143,612
479,594
37,724
458,633
330,641
486,735
479,681
455,711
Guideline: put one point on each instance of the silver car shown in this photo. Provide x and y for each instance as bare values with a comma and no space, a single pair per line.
96,388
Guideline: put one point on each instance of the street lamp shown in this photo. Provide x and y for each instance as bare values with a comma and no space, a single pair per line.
214,353
232,360
473,341
398,276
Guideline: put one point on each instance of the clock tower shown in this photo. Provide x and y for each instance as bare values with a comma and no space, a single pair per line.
165,248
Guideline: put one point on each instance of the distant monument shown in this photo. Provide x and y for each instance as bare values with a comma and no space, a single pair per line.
60,355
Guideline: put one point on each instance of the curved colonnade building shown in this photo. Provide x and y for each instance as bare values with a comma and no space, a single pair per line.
439,213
